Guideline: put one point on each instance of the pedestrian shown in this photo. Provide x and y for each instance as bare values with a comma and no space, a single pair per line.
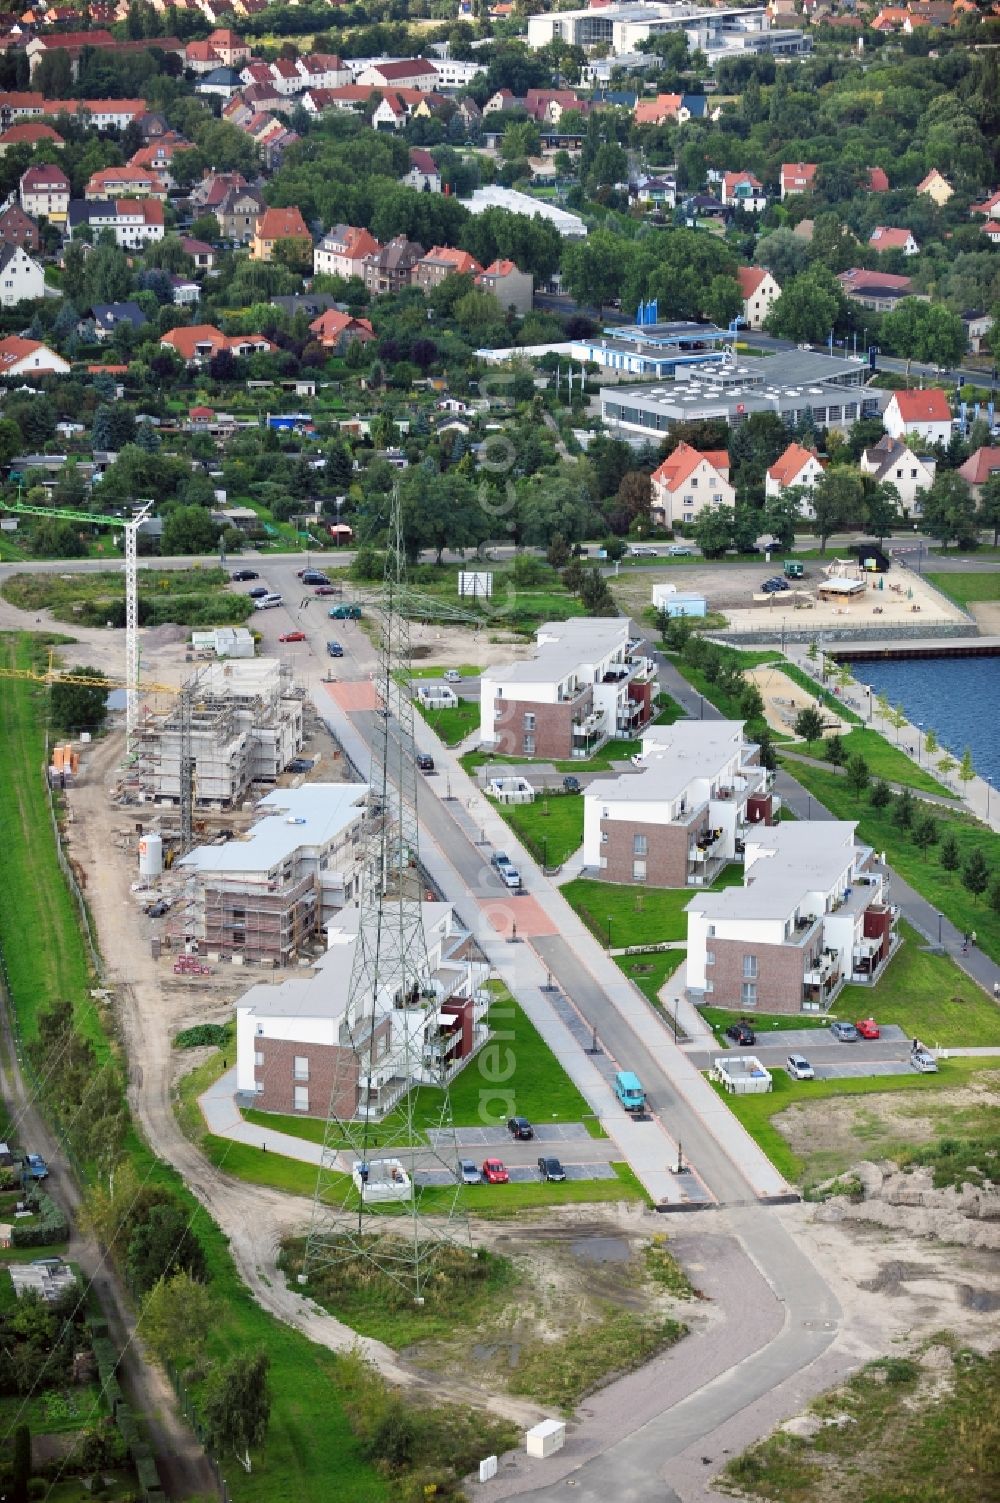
996,991
225,1062
972,937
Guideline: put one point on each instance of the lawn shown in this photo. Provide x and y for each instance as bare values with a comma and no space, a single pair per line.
924,871
719,1019
551,828
467,670
52,1411
929,997
757,1113
638,915
651,972
452,724
884,761
965,589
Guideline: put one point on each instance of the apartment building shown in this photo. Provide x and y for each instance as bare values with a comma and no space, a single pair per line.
265,895
278,226
798,468
45,192
342,252
22,278
686,482
303,1044
443,261
892,462
811,916
133,221
390,269
760,292
513,289
587,683
684,812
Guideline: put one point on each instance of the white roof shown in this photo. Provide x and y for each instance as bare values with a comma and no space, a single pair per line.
672,757
784,862
494,197
562,646
311,816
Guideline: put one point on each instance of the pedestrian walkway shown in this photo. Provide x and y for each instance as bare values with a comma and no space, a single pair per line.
225,1120
941,799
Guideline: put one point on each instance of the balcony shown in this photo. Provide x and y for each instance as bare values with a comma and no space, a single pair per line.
826,966
568,695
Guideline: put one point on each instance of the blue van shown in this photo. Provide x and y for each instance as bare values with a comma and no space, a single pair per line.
629,1091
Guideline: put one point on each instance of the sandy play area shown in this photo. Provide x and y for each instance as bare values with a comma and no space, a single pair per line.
897,597
783,699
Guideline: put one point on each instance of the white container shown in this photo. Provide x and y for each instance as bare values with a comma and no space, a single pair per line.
151,855
546,1438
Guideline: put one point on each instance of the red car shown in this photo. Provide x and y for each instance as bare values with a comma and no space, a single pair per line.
292,636
868,1028
325,589
494,1172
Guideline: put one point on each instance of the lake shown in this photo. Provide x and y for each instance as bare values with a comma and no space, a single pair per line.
959,698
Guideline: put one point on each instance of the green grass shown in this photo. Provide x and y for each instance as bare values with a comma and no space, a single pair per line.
757,1113
195,596
454,723
719,1019
52,1412
923,871
651,972
884,761
551,828
929,997
965,589
611,752
467,670
562,1372
639,915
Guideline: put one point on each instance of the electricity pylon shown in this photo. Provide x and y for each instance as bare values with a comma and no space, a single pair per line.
384,1199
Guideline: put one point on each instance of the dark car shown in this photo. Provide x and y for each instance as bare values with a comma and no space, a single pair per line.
741,1033
774,586
520,1127
551,1169
425,762
258,592
300,764
334,649
571,784
313,576
157,910
241,575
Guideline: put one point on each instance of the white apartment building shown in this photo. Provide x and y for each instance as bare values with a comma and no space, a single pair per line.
587,683
293,1041
134,222
264,895
343,250
811,916
686,810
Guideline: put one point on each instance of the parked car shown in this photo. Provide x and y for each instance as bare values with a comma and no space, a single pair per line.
640,551
469,1172
571,784
258,592
239,576
267,601
499,859
923,1061
775,585
313,576
551,1170
799,1067
510,877
452,676
741,1033
292,636
845,1033
680,551
325,589
425,762
300,764
344,613
158,909
34,1166
494,1172
868,1028
334,650
520,1127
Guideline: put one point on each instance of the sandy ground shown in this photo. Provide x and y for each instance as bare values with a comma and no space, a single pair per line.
783,699
451,646
987,614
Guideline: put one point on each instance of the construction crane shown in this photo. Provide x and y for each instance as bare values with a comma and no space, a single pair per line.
186,695
130,530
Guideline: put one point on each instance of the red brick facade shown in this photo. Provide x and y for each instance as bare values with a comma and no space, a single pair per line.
551,727
779,980
328,1064
666,855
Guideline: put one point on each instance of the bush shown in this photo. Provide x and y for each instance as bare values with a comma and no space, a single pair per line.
201,1034
50,1227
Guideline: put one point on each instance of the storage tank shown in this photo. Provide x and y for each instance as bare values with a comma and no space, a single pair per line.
150,855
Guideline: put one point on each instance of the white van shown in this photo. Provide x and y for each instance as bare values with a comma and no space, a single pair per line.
266,602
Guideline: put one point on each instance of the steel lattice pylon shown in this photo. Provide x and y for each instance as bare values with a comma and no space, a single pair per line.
389,1028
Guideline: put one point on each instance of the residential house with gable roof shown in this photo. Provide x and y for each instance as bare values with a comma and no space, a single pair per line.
741,190
926,414
797,468
686,483
937,187
892,462
797,177
760,293
886,238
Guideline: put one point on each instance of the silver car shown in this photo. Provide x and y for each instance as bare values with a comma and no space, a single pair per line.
923,1061
799,1067
469,1172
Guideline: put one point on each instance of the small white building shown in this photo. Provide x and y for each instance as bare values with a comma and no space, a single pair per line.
22,278
893,462
924,414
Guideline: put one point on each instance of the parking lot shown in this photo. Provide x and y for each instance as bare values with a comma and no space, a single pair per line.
861,1059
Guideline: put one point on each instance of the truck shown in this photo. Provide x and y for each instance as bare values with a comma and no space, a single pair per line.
793,569
629,1091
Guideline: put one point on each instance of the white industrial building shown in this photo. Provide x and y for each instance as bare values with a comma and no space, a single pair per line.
245,727
718,33
263,896
570,226
300,1047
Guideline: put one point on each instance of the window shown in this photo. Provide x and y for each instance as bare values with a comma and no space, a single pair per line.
529,722
640,845
301,1098
710,986
709,957
301,1067
710,931
258,1060
638,871
750,967
604,837
717,498
748,994
694,482
689,516
528,746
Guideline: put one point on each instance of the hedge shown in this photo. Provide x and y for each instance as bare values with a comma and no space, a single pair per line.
51,1226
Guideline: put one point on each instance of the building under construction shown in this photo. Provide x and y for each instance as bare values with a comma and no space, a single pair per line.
234,724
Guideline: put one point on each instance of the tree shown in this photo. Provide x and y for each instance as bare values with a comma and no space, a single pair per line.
162,1244
946,765
926,832
881,503
994,897
837,501
809,724
903,812
948,510
176,1317
949,854
966,771
928,332
881,794
931,742
835,751
713,530
188,529
989,506
897,719
809,307
52,538
237,1406
79,707
857,773
976,873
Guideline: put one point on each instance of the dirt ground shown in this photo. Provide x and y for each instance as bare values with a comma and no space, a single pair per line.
987,614
783,699
451,646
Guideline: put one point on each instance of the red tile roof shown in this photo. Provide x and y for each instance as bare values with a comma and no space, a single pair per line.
791,463
979,466
929,406
684,460
282,224
750,278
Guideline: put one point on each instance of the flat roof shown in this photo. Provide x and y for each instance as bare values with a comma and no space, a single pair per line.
672,756
794,859
562,646
312,815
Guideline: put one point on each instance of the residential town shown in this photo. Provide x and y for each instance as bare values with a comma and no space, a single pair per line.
499,632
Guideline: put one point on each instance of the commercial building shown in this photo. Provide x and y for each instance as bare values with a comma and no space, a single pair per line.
811,916
678,819
265,895
718,33
792,384
570,226
300,1042
587,683
657,350
245,728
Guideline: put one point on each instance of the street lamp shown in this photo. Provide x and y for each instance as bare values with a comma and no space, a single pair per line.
919,728
809,806
609,931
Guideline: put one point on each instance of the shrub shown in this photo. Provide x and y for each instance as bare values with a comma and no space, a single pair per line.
200,1034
